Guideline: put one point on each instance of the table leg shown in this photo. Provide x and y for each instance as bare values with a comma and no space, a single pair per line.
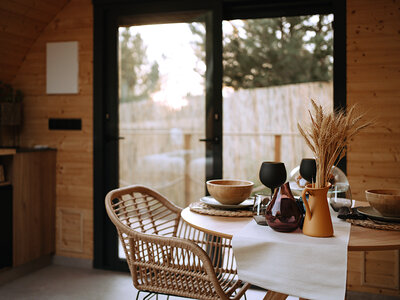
215,252
271,295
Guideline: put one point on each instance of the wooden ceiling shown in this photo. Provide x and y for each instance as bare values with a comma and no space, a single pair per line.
21,22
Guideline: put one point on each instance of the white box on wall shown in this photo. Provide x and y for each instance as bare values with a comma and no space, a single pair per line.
62,68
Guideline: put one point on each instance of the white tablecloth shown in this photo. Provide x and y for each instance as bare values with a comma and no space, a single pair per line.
293,263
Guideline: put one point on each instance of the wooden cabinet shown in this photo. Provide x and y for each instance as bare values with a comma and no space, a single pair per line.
32,174
6,226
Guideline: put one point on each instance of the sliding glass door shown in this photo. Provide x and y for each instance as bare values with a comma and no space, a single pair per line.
186,92
162,110
162,126
272,68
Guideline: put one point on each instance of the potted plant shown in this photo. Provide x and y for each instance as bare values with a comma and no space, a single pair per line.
10,105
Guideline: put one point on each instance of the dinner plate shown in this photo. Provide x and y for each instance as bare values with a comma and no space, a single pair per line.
374,214
214,203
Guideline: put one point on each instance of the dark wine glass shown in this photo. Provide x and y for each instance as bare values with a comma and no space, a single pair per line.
272,174
308,169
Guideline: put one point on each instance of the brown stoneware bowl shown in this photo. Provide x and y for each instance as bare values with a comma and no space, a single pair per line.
229,191
387,202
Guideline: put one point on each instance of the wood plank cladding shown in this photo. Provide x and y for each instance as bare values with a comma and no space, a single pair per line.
373,161
21,22
74,185
33,181
374,272
373,82
70,223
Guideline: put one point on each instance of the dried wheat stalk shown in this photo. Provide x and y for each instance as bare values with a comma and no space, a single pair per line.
328,135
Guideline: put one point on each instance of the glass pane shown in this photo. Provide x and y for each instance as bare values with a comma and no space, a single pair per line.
272,68
162,110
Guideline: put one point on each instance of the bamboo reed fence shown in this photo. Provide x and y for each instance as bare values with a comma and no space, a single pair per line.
161,147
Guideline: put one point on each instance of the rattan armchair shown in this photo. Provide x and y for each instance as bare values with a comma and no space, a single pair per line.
166,255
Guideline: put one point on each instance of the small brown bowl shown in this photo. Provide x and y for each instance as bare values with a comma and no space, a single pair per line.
387,202
229,191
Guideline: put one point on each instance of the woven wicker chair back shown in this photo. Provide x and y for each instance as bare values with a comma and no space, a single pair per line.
165,254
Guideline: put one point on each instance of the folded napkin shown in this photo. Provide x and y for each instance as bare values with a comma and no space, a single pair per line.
350,213
293,263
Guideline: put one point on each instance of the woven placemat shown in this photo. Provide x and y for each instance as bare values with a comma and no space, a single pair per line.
202,208
375,224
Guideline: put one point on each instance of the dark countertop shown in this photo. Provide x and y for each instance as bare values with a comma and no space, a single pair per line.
35,149
10,150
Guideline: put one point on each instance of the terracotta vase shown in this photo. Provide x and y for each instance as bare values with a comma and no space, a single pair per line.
283,213
317,221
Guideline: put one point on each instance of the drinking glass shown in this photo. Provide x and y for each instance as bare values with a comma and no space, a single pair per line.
259,208
308,169
340,193
272,175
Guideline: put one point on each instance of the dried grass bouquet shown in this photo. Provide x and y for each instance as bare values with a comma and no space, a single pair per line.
328,135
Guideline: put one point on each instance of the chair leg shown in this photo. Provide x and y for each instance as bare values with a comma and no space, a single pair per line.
148,296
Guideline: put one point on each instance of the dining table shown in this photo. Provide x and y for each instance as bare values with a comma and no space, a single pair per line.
360,239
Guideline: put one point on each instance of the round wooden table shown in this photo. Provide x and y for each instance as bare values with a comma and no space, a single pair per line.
361,238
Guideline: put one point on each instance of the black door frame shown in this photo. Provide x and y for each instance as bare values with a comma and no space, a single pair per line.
105,86
106,112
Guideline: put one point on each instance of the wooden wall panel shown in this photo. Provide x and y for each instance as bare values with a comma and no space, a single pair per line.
21,22
74,186
70,223
373,82
374,272
33,182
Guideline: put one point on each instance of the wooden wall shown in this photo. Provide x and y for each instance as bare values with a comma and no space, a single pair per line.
373,44
373,82
74,229
21,22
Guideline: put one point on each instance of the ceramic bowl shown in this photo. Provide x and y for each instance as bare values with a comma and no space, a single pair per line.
229,191
387,202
